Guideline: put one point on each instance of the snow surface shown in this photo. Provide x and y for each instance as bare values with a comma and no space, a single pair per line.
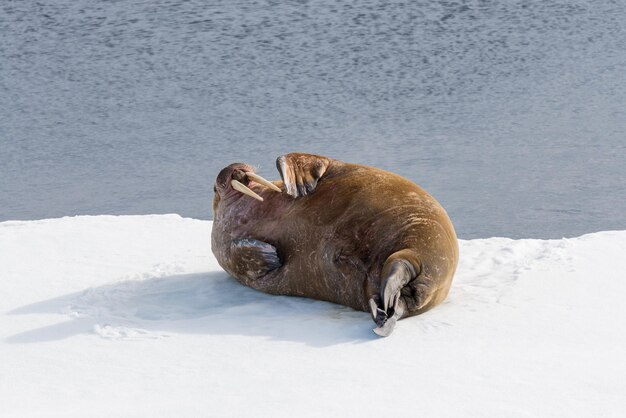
132,316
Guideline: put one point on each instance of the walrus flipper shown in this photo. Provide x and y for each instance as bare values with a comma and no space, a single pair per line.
388,307
254,258
301,172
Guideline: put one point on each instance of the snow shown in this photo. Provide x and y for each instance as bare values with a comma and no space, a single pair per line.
132,316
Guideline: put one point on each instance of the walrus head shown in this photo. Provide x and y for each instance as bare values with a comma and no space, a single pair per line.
233,181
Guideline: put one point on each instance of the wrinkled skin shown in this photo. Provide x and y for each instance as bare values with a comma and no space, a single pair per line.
341,232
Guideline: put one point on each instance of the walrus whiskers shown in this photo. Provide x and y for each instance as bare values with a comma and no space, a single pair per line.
245,190
263,181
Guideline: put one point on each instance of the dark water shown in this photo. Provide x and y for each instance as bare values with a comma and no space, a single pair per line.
512,114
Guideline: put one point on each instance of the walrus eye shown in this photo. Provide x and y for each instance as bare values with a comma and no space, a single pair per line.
214,189
262,181
245,190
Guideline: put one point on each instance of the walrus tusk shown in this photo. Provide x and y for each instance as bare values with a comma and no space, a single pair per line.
243,189
263,181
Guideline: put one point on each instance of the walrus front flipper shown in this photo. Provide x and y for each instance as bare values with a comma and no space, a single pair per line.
254,258
301,172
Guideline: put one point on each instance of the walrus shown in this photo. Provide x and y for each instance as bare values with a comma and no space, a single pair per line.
344,233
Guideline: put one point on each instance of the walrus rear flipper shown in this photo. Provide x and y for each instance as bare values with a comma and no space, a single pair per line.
388,307
301,172
254,258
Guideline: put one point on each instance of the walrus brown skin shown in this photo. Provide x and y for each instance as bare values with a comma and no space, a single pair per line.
344,233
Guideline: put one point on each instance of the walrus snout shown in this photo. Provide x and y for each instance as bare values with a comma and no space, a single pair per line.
235,171
237,176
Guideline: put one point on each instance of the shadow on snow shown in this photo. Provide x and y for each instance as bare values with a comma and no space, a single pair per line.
205,303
